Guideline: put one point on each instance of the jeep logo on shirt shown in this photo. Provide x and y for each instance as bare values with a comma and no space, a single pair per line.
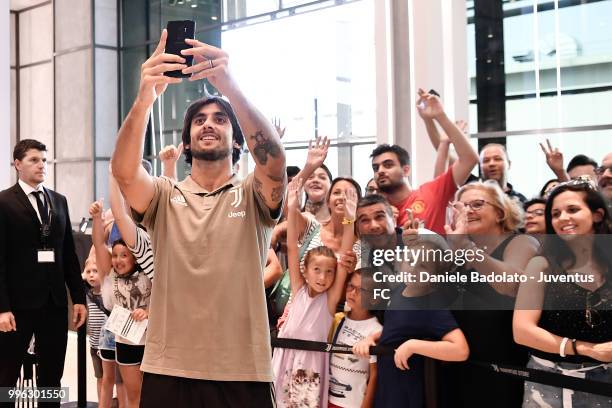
236,214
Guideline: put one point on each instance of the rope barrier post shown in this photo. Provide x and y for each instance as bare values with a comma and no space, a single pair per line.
81,372
82,365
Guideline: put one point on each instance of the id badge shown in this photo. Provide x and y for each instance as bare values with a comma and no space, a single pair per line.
46,256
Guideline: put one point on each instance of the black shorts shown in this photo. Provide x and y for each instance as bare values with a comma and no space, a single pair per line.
166,391
128,354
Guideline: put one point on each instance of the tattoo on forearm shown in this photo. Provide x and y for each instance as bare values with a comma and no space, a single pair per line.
258,186
264,147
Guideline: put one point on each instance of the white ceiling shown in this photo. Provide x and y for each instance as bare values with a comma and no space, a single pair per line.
17,5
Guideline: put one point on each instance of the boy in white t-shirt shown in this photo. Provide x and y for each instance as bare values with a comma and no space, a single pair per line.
353,380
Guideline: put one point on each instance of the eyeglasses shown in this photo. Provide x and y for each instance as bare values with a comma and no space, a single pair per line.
535,213
602,169
476,205
350,287
371,190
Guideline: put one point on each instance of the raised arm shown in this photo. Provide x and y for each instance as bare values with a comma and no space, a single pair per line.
262,140
293,257
127,226
431,107
103,255
441,156
554,160
132,178
348,238
169,155
317,153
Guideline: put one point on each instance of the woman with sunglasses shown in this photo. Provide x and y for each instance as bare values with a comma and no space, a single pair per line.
487,220
568,324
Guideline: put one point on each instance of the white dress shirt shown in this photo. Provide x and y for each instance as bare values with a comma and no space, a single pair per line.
29,192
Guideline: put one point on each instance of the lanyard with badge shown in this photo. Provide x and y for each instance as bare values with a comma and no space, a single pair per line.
46,254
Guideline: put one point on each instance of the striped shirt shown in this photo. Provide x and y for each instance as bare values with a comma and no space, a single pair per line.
95,320
143,252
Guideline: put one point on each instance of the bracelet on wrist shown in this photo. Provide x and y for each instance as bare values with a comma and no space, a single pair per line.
574,348
347,221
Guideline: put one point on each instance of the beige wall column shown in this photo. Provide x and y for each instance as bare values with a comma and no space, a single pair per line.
6,93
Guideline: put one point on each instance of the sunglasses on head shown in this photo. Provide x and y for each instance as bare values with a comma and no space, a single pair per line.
580,181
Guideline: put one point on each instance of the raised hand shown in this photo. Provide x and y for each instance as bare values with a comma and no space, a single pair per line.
554,158
429,106
277,125
294,194
463,126
96,209
459,223
170,154
350,204
348,259
153,82
410,229
212,63
317,152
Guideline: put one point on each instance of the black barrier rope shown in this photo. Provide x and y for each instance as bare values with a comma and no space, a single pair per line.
527,374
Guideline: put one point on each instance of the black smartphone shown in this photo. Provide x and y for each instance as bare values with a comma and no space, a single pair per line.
433,92
178,31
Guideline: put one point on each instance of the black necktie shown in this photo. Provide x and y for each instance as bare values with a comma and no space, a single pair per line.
42,208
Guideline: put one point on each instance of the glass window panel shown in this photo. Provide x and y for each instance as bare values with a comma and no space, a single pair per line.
524,151
235,9
106,22
134,19
362,169
519,54
102,180
327,66
131,60
106,101
471,59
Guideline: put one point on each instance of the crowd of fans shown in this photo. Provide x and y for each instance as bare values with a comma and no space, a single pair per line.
319,284
527,284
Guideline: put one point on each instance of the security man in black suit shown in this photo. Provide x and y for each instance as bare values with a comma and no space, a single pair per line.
37,262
